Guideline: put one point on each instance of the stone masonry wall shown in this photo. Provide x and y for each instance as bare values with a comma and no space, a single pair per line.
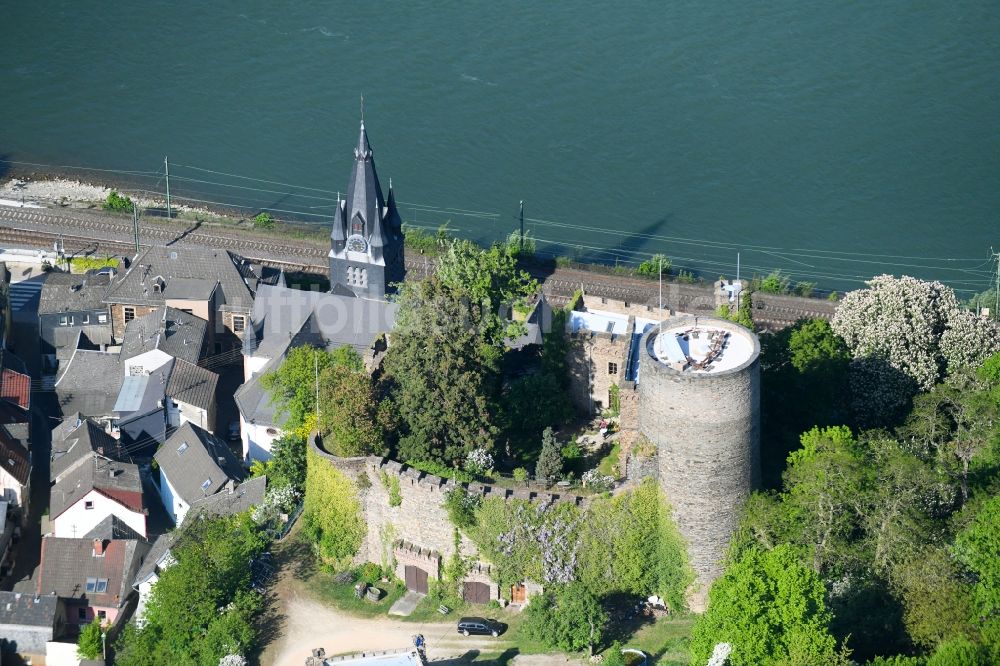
588,356
706,427
420,518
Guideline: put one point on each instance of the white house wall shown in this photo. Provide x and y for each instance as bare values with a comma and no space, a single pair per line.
77,520
175,506
257,441
10,489
252,365
179,413
146,362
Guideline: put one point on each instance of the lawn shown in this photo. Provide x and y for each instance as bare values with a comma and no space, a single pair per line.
341,595
666,640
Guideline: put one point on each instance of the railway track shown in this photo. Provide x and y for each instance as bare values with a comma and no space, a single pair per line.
98,233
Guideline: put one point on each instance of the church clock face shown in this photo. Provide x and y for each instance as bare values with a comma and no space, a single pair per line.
356,243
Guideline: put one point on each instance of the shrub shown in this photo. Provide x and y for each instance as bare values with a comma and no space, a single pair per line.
118,203
391,483
88,645
686,277
571,452
833,297
550,460
461,507
520,475
478,462
594,479
263,220
515,247
774,283
652,266
805,288
370,573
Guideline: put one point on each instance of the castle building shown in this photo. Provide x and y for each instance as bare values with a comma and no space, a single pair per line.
699,402
366,248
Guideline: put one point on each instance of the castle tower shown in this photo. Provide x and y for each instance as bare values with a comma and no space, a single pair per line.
366,243
699,402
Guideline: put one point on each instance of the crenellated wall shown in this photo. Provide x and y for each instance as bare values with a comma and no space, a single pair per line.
420,519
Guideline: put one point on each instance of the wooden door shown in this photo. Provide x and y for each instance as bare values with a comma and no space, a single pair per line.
518,594
416,579
476,593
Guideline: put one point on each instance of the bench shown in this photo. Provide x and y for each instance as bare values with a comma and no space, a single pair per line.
444,610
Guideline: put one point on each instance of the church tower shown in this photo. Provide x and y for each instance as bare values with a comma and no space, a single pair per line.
366,253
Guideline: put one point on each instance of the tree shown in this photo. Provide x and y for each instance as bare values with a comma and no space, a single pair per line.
201,608
443,375
292,385
288,463
349,417
960,652
89,643
770,609
492,280
570,619
977,547
917,327
550,461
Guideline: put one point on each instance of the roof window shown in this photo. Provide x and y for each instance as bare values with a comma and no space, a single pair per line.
206,484
182,448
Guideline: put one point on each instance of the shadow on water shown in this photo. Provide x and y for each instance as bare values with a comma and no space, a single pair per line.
5,165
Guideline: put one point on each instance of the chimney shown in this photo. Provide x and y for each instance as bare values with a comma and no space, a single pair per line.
230,486
98,547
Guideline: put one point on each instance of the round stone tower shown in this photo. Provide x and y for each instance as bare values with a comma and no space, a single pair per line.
699,402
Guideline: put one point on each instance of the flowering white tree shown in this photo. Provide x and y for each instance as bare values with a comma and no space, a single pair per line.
233,660
478,461
905,335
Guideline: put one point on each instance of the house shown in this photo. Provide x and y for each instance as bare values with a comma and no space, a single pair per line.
93,490
15,466
92,575
156,561
89,384
215,285
191,396
27,623
162,334
140,411
71,315
285,318
74,440
194,464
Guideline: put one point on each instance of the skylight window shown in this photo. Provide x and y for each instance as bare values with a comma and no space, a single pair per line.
91,585
206,484
182,448
102,585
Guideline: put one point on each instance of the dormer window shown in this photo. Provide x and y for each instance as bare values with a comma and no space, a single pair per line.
158,285
357,225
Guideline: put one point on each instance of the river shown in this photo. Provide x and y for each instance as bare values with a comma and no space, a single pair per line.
831,140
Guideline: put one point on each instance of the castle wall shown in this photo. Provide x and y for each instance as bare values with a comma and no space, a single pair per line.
420,521
706,427
588,359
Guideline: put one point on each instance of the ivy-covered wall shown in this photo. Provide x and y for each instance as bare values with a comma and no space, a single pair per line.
332,516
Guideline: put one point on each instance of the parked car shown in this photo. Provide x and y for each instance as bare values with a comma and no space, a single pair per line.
479,626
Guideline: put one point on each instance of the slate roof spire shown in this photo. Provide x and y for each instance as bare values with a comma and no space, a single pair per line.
364,194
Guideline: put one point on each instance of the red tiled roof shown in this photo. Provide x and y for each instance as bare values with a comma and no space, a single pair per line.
128,499
15,388
14,459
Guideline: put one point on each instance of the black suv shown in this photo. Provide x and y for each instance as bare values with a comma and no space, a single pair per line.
480,626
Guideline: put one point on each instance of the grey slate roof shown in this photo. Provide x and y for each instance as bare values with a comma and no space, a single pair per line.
14,457
172,331
284,318
204,265
112,527
28,610
195,471
152,564
76,437
242,498
69,292
89,383
94,473
192,384
66,565
254,401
